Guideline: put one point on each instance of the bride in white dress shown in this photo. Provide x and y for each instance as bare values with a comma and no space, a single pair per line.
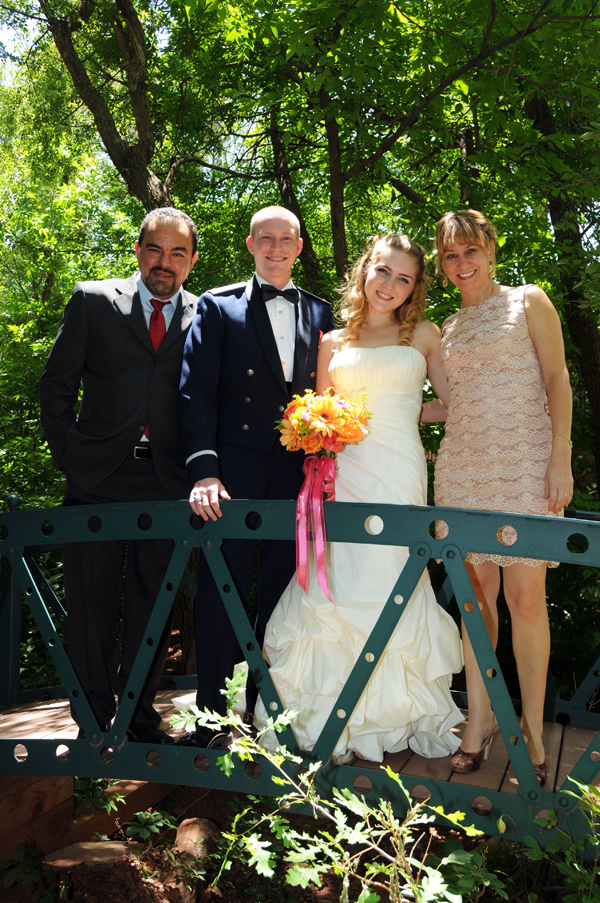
386,350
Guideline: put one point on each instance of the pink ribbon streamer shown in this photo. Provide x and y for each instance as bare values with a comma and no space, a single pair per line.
319,479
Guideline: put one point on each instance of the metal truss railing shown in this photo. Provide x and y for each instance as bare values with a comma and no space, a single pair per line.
24,533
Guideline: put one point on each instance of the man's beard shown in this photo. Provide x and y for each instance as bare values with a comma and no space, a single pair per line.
160,288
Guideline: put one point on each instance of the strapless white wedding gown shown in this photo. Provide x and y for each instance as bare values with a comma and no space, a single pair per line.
312,645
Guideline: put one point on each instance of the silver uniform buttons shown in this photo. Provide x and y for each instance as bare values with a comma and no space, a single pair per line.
247,400
281,407
245,427
249,372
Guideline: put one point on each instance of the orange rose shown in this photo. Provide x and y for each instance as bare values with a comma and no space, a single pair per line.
311,443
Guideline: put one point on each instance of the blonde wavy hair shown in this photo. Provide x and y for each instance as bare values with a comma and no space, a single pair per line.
467,227
355,307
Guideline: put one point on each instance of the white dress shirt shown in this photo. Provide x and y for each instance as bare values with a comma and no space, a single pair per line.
282,314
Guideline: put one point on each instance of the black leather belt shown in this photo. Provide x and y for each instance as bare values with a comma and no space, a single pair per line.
142,452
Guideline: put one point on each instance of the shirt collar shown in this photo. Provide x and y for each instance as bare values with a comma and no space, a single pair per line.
146,295
262,282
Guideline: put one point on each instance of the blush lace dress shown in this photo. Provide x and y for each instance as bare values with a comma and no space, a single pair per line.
312,645
498,433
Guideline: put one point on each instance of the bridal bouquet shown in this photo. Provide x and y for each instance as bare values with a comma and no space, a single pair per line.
321,426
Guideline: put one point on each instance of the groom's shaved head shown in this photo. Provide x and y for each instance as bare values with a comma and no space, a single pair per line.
274,212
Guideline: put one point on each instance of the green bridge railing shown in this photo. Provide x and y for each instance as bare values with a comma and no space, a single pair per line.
24,534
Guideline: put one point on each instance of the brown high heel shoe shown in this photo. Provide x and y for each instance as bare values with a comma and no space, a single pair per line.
541,773
465,762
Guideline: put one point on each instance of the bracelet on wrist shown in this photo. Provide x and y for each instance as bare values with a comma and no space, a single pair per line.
556,436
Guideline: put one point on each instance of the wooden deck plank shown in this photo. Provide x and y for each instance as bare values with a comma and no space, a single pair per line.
552,737
575,742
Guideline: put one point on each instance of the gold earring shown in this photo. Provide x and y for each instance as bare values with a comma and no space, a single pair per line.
445,281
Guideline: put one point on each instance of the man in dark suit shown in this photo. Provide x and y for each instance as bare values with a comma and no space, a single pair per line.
122,339
251,347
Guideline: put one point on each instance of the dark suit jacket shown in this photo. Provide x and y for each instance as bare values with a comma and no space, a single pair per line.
232,384
103,343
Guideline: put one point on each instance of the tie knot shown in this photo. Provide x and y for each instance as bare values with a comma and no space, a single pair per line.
269,292
157,305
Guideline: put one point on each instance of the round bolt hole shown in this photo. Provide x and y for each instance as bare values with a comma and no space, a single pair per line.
577,543
440,529
374,525
202,764
94,524
514,740
171,685
52,641
226,588
252,769
273,706
249,646
543,814
20,752
196,522
362,784
481,805
29,590
491,672
370,657
150,641
107,755
62,753
144,521
131,695
169,587
506,535
398,599
562,718
153,758
341,713
468,606
595,756
75,694
420,793
253,520
47,527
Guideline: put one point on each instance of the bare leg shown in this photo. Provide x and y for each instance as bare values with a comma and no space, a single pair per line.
485,579
525,593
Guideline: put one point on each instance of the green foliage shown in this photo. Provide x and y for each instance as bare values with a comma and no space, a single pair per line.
93,792
148,825
26,871
575,861
367,844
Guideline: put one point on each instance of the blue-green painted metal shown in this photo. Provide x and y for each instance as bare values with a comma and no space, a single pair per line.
24,533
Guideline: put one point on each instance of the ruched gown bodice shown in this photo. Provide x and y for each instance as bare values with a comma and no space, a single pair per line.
312,645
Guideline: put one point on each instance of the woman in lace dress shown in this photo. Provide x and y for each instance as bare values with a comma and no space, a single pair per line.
504,358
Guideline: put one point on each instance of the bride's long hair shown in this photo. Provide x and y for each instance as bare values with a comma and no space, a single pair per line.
355,307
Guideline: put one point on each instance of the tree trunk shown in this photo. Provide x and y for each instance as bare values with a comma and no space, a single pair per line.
337,184
308,259
131,160
582,325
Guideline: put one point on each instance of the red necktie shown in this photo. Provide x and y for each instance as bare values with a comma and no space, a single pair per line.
158,329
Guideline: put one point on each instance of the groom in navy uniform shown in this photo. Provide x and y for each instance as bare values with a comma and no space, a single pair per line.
250,348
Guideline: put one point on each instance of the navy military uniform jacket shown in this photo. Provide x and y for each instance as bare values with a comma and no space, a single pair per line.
232,385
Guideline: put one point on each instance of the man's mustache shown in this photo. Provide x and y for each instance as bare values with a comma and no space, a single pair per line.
162,270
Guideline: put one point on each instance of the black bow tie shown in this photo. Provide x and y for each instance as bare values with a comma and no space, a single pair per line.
269,292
